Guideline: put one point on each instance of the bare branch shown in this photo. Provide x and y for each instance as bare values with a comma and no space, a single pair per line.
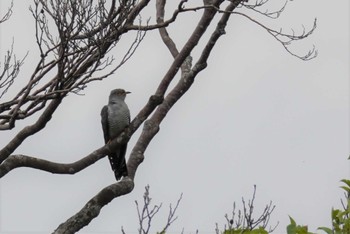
245,220
160,6
7,14
260,3
171,215
122,230
286,39
147,213
10,71
16,161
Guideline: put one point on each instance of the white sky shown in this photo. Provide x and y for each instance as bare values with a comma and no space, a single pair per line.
256,115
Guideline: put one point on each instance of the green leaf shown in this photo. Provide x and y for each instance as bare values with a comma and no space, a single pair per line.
291,228
347,182
292,221
257,231
335,213
301,229
262,230
347,189
232,231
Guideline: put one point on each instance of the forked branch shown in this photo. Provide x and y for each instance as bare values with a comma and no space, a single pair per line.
147,213
245,220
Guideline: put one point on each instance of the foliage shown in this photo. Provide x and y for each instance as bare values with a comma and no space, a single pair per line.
293,228
340,218
259,230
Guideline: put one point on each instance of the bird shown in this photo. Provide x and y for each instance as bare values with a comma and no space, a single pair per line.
115,117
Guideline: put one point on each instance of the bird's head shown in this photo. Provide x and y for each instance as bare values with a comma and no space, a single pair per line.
118,94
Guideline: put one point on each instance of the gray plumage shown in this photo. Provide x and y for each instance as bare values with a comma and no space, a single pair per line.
115,117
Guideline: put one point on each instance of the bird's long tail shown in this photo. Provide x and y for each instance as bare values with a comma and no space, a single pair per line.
118,162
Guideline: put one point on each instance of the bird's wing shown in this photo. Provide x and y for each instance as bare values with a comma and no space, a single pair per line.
104,122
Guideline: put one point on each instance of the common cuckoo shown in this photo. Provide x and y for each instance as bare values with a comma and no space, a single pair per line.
115,117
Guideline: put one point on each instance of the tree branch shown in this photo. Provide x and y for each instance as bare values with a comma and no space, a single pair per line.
93,207
32,129
259,3
286,39
160,6
16,161
7,14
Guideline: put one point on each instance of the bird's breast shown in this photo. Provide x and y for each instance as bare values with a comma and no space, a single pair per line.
118,118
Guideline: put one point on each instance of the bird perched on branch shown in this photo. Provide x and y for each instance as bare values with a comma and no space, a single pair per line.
115,117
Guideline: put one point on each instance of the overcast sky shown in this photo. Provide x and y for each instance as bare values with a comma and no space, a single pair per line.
255,116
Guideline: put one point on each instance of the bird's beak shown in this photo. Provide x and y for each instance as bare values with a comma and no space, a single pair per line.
127,92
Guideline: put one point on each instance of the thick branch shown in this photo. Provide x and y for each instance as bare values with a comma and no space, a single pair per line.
93,207
16,161
218,32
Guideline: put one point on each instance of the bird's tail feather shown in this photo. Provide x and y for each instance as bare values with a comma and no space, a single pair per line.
118,162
